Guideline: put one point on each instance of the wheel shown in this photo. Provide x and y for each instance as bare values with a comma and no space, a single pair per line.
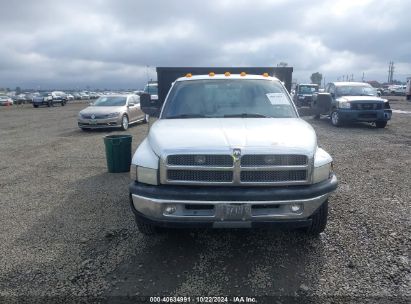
124,122
318,220
85,129
335,119
317,117
63,103
49,103
145,119
380,124
35,105
146,228
409,97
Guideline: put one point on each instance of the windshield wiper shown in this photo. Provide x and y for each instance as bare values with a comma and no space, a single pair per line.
186,116
247,115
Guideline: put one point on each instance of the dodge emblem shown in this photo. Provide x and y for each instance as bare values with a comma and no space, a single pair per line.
93,116
236,154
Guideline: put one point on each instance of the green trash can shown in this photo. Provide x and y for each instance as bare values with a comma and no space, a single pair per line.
118,153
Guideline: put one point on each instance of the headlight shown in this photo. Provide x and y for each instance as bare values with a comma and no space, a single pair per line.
147,175
344,105
300,97
322,173
112,115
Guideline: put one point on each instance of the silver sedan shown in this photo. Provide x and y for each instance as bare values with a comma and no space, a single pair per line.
114,111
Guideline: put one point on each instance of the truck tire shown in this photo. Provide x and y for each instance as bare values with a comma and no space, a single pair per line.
335,119
49,103
319,220
35,105
380,124
145,228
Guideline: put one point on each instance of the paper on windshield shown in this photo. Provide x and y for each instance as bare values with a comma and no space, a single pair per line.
277,99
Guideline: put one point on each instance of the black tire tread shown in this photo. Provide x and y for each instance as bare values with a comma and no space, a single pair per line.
319,220
145,228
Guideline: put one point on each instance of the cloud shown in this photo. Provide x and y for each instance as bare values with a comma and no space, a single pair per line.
110,43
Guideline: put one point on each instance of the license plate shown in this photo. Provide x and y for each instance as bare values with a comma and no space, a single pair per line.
93,122
235,211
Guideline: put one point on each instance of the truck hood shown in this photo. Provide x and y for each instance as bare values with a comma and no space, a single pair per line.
360,98
251,135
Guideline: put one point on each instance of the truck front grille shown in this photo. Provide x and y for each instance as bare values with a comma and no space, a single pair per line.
273,160
273,176
200,160
251,169
200,176
366,106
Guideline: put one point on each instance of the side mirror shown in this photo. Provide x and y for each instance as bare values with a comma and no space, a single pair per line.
131,104
148,106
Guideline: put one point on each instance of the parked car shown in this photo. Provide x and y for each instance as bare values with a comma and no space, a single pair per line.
114,111
355,101
84,96
303,94
408,90
21,98
43,99
59,97
5,100
229,151
70,97
397,90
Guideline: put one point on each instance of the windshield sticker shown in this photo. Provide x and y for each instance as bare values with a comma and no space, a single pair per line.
277,98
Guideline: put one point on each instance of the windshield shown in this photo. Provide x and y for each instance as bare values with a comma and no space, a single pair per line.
228,98
307,89
151,89
110,101
45,94
362,90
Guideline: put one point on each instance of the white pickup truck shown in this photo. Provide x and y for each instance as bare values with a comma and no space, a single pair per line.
229,151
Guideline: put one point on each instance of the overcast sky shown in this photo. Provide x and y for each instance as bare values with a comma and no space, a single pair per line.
108,43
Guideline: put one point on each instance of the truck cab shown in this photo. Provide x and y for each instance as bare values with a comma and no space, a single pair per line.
229,151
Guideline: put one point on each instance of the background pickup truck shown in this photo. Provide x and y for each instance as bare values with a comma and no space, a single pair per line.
352,102
229,151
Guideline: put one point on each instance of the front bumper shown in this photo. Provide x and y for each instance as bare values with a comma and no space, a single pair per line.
365,115
99,123
228,207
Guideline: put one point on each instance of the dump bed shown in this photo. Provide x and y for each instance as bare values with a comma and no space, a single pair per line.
167,75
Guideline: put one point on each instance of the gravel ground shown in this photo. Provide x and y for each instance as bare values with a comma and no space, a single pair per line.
67,232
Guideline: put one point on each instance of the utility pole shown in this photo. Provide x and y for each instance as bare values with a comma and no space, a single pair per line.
362,76
391,72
